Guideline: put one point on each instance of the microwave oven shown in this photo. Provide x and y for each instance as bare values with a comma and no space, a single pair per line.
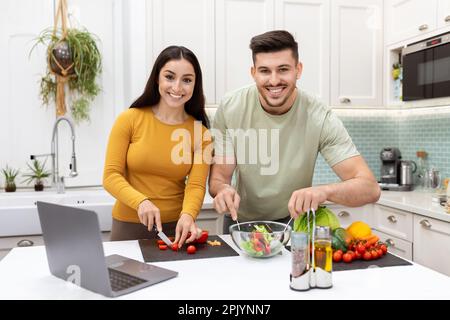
426,69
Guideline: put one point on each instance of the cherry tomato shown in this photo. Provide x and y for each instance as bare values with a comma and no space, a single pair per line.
380,252
383,248
191,249
163,247
367,255
203,237
358,256
340,252
347,257
175,247
160,242
360,248
374,254
337,256
352,253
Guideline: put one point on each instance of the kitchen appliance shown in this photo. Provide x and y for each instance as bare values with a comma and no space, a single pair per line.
391,168
426,69
407,169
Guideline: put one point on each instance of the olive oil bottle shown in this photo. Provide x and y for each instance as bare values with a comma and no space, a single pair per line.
323,257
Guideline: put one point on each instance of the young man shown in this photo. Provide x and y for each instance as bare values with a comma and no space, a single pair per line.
273,114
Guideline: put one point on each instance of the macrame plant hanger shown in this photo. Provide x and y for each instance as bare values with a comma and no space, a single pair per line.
63,77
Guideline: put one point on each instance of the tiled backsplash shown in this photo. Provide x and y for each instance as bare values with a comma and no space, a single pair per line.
409,130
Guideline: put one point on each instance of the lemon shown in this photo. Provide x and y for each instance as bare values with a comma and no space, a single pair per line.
359,230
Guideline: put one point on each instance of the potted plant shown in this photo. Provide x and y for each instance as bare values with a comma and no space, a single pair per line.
38,174
10,175
73,59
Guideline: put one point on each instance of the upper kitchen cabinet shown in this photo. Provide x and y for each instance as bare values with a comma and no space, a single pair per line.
409,18
189,24
443,18
237,21
356,52
309,22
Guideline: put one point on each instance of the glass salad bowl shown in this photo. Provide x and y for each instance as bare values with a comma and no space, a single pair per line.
260,239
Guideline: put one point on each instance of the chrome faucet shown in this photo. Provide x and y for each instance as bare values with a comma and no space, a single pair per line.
58,181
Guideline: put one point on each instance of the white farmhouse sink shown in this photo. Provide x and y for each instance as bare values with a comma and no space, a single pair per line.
19,216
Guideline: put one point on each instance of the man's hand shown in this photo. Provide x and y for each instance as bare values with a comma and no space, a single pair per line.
305,199
227,200
149,214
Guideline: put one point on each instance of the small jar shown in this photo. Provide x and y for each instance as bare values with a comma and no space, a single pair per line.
300,274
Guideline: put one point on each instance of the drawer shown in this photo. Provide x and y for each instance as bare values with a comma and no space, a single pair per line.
347,215
394,222
210,220
7,243
399,247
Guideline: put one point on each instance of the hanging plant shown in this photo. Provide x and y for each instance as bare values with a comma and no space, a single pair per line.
73,62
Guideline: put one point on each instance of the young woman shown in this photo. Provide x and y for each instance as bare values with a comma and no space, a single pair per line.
159,151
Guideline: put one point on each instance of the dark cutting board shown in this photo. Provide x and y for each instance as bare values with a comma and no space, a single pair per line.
152,253
388,260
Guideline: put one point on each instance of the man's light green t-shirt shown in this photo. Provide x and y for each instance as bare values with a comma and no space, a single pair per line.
276,154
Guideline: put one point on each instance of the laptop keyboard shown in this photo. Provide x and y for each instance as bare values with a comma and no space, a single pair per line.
121,281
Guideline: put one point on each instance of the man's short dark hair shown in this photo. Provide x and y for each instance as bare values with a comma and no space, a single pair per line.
273,41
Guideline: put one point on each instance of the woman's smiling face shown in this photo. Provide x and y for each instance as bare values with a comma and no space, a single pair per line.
176,82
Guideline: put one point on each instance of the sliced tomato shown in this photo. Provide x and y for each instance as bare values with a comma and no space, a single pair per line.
159,242
203,237
163,247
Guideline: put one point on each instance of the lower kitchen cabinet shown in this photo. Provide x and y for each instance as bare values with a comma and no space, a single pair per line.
8,243
347,215
394,222
432,243
399,247
210,220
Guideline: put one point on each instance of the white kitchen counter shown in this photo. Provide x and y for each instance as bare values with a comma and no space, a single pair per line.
24,274
416,202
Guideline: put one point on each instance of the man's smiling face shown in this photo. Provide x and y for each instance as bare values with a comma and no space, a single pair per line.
276,74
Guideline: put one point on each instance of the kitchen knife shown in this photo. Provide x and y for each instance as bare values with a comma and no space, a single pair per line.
163,237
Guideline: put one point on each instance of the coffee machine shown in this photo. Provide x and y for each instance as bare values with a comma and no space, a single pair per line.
390,178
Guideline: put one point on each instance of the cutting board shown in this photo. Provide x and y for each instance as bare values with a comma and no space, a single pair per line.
152,253
388,260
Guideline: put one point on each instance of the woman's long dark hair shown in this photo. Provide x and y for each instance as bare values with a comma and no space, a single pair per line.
196,104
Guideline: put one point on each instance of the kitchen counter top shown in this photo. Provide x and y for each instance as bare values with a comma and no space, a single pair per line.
24,274
414,201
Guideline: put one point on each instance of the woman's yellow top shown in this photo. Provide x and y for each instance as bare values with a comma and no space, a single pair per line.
166,164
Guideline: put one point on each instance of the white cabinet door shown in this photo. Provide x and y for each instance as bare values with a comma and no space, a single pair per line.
432,243
356,52
309,22
237,21
409,18
443,13
189,24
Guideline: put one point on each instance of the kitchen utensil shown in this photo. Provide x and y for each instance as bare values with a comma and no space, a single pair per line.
407,168
163,236
257,244
432,179
151,252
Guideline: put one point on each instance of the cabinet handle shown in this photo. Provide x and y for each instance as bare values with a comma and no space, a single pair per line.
392,219
423,27
390,243
343,214
425,223
447,19
345,100
25,243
